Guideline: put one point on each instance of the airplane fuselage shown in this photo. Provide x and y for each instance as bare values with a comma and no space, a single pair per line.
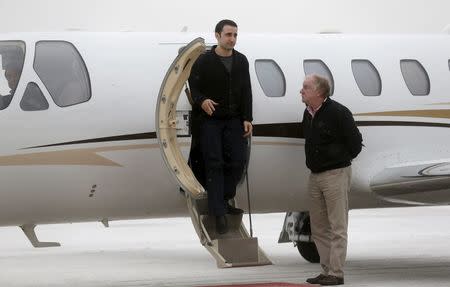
100,158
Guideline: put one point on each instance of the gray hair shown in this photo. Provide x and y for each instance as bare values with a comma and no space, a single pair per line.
321,84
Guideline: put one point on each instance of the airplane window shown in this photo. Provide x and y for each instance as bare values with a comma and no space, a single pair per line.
415,76
320,68
270,77
12,56
63,72
367,77
33,99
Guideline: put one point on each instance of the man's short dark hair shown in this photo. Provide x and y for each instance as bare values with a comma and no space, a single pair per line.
222,23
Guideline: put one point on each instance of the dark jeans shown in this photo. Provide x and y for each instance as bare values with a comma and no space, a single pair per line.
223,149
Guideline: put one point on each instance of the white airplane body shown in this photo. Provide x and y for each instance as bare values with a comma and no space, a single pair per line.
100,159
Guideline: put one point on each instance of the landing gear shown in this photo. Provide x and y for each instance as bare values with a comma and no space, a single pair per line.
308,250
297,229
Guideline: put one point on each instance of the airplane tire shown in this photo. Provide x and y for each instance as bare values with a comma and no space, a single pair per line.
308,251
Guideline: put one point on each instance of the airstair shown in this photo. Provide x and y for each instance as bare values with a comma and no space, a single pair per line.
232,249
236,247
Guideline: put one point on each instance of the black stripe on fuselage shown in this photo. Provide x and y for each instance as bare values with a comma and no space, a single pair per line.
142,136
276,130
402,124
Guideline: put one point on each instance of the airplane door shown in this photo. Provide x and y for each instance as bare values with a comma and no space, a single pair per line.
166,121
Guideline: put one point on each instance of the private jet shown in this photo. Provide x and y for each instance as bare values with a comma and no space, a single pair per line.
96,127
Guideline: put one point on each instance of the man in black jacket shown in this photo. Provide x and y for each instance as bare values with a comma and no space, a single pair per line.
221,91
332,141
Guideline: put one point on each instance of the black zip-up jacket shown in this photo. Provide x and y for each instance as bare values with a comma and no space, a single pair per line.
332,138
210,79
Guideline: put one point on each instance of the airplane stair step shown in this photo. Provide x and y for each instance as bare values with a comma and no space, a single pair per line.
232,249
238,251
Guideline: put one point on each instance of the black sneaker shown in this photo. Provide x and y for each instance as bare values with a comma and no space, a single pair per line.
330,280
233,210
315,279
221,224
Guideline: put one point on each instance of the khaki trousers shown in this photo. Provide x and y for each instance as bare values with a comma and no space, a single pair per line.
328,192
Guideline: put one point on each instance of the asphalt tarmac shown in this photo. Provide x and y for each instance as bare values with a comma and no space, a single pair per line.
387,247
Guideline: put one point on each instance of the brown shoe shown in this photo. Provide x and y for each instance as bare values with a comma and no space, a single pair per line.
330,280
315,280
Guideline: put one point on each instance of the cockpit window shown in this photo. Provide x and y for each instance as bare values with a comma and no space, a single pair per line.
12,56
33,99
63,72
320,68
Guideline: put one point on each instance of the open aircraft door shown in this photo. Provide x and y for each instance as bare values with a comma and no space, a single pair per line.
166,120
236,247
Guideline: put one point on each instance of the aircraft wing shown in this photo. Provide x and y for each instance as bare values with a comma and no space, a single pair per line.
417,182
